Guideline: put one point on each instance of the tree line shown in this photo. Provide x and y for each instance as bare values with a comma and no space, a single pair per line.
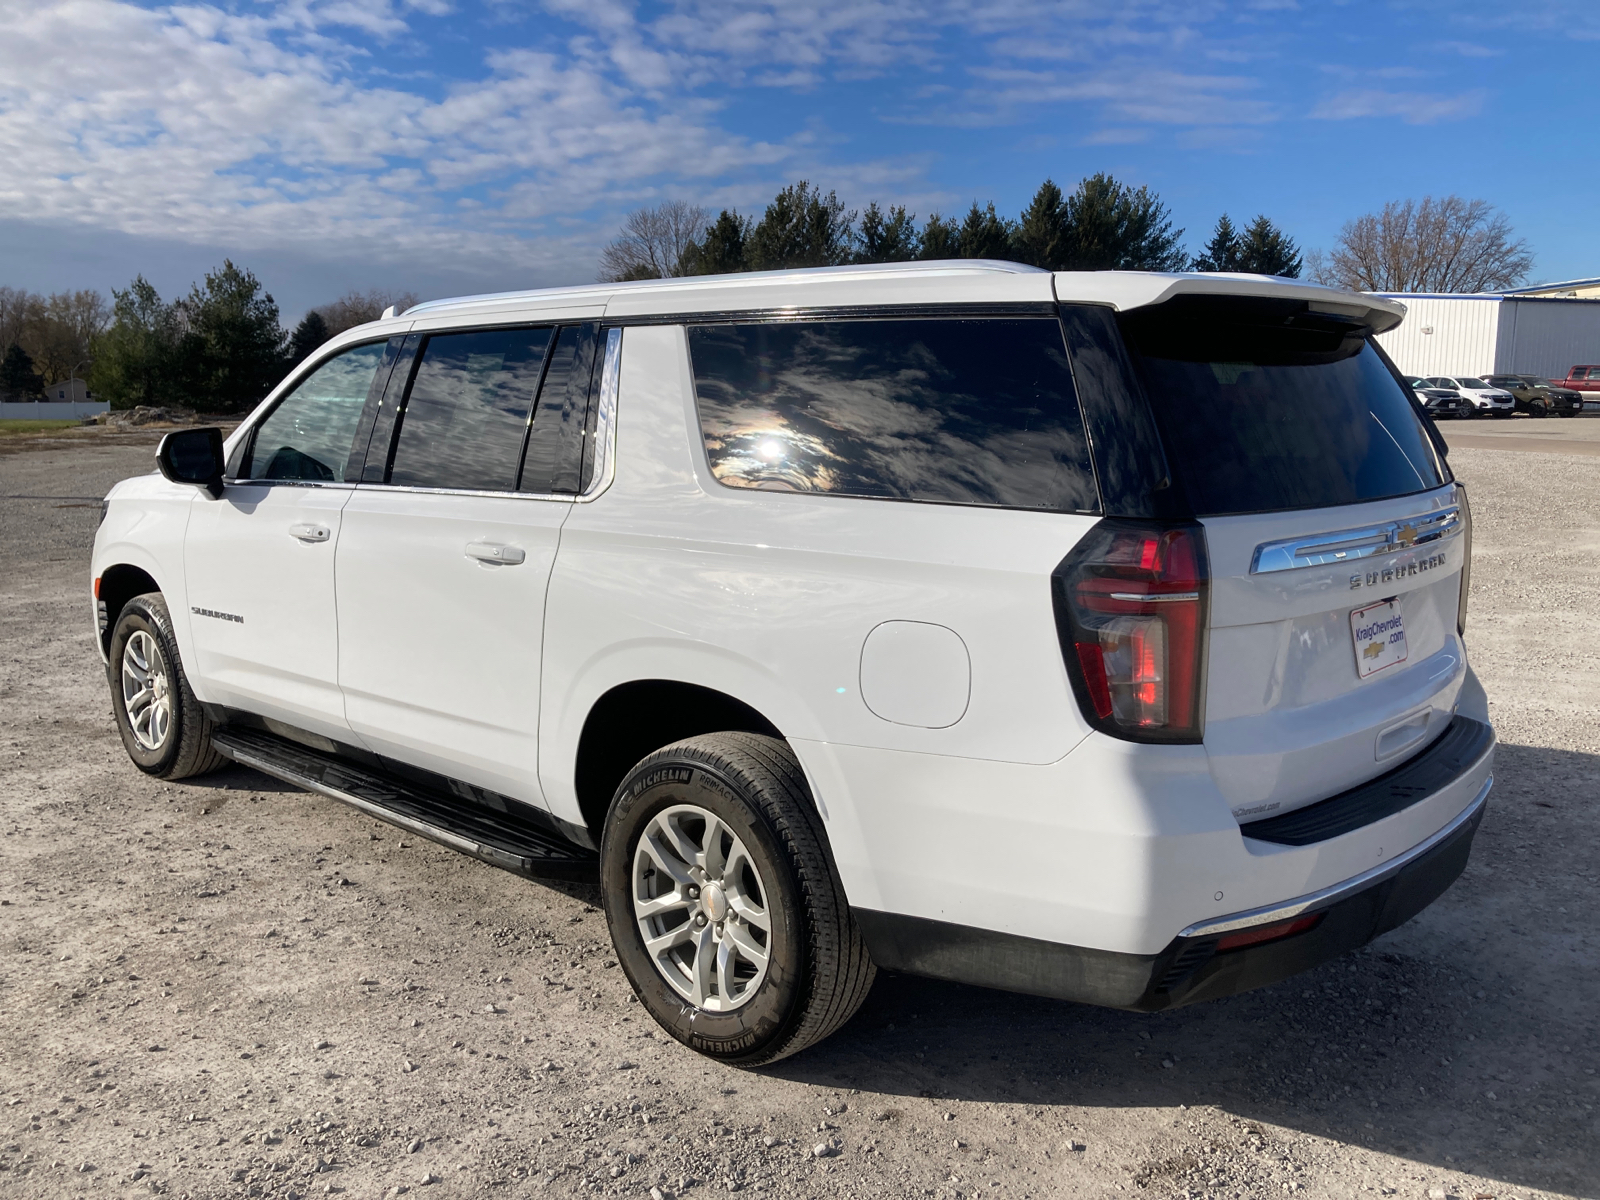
1448,244
1102,225
220,348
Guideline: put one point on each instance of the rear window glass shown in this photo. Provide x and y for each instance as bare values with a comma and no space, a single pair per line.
950,411
1266,406
467,412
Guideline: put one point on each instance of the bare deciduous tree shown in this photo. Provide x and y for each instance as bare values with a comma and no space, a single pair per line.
1448,245
654,243
56,331
357,308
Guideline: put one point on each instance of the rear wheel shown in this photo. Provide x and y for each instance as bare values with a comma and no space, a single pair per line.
163,727
724,905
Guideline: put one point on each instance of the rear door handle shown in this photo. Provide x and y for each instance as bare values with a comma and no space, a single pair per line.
493,552
310,533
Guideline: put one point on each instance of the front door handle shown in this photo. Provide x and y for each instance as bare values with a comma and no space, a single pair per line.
310,533
493,552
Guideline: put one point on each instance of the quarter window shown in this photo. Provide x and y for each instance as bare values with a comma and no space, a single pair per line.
953,411
467,413
308,435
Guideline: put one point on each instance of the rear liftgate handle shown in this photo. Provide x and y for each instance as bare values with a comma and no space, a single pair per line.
498,555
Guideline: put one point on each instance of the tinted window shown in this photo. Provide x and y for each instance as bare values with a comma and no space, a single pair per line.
1266,406
554,460
959,411
308,435
466,414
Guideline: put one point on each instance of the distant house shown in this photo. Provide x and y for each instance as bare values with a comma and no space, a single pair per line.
69,391
1572,289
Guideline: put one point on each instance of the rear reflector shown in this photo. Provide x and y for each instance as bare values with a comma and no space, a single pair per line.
97,587
1131,612
1267,933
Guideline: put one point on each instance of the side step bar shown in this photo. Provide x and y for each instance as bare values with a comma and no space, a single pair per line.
495,837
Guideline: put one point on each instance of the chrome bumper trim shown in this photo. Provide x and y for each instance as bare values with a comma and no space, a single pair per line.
1330,895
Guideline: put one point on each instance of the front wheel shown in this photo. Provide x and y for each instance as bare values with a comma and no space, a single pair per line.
724,905
163,727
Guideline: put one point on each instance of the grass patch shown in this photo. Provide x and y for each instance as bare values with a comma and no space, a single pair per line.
12,428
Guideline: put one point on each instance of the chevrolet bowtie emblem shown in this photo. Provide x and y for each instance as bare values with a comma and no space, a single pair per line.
1404,536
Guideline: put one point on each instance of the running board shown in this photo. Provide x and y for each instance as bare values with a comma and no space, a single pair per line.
495,837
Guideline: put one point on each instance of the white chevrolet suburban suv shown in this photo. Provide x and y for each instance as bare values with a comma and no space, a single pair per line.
1097,636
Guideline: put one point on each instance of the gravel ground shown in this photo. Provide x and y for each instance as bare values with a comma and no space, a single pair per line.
230,988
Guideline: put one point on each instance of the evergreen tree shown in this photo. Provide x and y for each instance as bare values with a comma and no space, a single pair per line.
721,249
941,237
18,379
1221,253
984,234
801,228
232,347
1265,250
887,236
308,335
1039,237
136,357
1112,227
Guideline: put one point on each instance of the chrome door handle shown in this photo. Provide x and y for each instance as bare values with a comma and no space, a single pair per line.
310,533
493,552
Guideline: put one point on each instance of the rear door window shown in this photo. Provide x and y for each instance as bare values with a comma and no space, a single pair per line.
308,435
466,416
1266,406
948,411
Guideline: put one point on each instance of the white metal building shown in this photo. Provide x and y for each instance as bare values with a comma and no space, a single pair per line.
1493,334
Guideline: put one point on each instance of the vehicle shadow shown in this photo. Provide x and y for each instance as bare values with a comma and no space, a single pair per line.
1449,1041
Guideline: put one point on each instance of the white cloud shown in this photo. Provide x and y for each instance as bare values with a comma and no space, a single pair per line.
352,128
1414,108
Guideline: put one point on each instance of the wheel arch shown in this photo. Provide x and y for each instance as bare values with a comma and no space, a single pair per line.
632,719
114,587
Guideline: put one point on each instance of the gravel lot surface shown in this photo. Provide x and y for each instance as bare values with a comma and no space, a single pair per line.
230,988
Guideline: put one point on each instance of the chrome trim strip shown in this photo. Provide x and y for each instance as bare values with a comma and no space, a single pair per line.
432,491
331,484
1329,895
605,425
1159,598
1392,537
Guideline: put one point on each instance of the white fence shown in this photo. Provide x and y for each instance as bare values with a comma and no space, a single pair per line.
51,410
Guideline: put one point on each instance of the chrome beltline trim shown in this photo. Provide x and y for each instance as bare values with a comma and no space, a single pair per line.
1328,895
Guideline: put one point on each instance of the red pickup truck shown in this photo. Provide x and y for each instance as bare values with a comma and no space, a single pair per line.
1582,379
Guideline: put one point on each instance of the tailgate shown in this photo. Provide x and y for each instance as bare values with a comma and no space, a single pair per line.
1302,700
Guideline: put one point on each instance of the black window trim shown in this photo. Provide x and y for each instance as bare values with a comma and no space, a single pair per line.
863,313
247,448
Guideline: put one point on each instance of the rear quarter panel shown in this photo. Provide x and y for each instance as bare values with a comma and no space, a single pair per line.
770,596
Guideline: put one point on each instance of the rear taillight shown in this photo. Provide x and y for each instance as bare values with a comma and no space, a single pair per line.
1130,606
1466,559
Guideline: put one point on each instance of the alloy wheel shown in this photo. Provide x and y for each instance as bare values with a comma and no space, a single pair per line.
146,691
701,906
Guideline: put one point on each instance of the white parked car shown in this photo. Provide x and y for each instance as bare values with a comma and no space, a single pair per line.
1097,636
1484,399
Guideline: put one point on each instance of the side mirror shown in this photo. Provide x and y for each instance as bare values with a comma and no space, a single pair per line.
193,456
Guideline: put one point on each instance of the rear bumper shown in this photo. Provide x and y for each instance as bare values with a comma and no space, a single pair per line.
1191,967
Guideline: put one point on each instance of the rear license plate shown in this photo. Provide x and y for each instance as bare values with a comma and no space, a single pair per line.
1379,634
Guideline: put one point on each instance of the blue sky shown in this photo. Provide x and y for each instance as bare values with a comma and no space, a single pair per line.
448,146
